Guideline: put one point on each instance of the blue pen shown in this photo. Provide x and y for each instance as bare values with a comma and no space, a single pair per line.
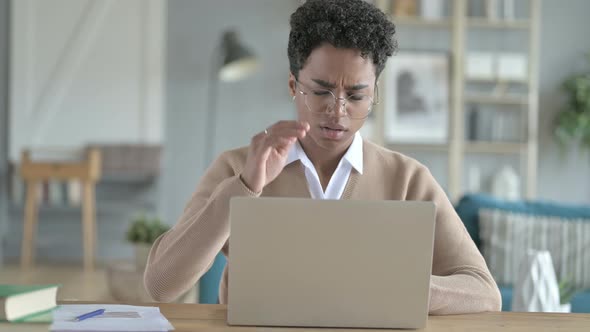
90,314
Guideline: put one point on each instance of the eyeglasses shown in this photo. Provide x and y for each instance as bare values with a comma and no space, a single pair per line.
322,101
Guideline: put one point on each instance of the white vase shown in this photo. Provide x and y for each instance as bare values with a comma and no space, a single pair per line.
506,184
492,9
536,288
565,308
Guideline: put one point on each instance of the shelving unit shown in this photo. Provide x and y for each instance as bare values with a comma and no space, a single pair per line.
419,147
418,22
498,24
495,81
496,100
495,147
457,147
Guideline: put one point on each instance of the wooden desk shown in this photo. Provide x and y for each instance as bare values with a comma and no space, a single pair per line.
203,317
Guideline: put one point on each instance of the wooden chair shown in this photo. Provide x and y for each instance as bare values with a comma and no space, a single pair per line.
88,172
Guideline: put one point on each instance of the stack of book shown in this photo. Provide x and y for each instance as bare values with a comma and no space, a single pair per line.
26,303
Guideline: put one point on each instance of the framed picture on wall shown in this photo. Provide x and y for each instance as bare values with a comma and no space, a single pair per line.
417,98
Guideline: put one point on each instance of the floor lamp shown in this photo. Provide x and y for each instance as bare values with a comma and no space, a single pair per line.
231,62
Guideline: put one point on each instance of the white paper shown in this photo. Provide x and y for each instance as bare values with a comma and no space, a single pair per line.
116,318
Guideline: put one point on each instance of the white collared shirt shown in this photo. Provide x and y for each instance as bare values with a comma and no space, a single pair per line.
353,158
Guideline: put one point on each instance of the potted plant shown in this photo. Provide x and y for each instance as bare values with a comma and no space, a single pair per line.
142,233
567,290
573,123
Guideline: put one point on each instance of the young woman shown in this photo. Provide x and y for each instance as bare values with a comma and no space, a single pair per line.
337,49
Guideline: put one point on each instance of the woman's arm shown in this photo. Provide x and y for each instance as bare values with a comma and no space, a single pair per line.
461,281
182,255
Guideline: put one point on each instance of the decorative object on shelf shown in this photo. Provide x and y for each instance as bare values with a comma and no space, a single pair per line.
501,67
499,127
506,184
473,124
509,10
572,124
417,98
431,9
405,8
480,66
142,233
512,67
55,193
74,192
505,127
474,179
536,289
476,8
492,10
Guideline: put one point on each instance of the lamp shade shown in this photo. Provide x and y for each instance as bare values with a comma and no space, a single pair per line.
238,61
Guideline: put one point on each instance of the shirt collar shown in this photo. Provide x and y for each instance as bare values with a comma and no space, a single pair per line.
354,154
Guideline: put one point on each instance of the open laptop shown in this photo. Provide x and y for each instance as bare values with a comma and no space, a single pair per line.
329,263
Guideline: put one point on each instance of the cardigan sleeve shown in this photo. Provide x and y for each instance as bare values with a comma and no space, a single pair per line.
182,255
461,281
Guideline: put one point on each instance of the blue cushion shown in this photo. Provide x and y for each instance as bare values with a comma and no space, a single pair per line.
209,282
468,210
506,292
580,302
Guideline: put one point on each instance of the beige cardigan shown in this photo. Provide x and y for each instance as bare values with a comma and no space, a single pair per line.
461,281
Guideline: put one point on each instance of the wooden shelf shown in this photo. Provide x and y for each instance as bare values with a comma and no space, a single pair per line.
421,22
418,147
495,147
518,100
506,95
495,81
498,24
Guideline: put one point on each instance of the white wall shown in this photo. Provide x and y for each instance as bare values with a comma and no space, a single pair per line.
85,71
564,41
94,71
4,6
244,108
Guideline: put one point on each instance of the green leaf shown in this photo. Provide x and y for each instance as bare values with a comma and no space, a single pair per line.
572,124
145,230
567,289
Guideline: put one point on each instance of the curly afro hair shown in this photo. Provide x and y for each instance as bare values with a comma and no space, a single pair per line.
353,24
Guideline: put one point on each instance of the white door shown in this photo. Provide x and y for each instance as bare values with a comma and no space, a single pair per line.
85,71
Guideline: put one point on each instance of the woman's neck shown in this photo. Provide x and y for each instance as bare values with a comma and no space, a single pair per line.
324,160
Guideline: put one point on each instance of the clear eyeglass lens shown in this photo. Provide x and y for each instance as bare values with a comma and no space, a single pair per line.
357,106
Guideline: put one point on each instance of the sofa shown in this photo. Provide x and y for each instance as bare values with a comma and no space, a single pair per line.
469,208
